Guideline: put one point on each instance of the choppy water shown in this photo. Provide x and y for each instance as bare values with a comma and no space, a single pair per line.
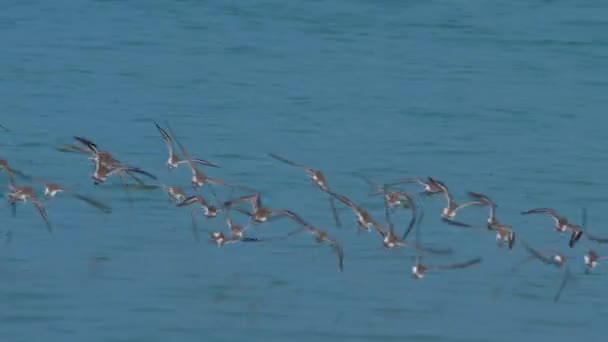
504,98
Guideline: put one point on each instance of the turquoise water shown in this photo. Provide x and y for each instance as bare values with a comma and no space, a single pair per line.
507,99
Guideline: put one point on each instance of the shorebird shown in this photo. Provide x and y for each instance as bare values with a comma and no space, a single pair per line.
320,236
105,163
555,259
220,239
318,178
430,185
561,223
103,171
237,234
547,257
199,178
176,194
394,199
236,230
22,194
419,270
104,157
208,210
260,213
52,189
449,212
504,232
391,240
364,219
174,160
592,260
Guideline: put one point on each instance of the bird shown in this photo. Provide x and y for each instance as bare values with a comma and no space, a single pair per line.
430,185
199,178
321,236
97,155
504,232
260,213
557,260
364,219
53,189
592,259
561,223
22,194
419,270
174,160
449,212
209,210
318,178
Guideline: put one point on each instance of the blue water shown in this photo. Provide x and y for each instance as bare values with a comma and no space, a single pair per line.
508,99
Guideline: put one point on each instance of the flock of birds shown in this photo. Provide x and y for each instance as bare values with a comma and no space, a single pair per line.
251,205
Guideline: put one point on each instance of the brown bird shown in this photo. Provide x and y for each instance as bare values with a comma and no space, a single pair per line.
391,240
449,212
176,194
321,237
199,178
419,270
561,223
318,178
592,260
260,213
364,219
504,232
22,194
209,210
394,199
52,189
174,160
430,185
557,260
103,157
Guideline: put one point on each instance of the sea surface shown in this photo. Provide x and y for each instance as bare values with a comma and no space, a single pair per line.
507,98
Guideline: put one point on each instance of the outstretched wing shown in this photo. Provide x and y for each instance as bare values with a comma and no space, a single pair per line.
548,211
97,204
286,161
166,138
184,152
344,200
562,284
339,253
202,162
538,255
190,200
464,264
88,143
291,215
43,214
479,197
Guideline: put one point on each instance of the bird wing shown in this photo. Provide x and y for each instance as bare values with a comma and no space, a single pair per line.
166,138
286,161
463,264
